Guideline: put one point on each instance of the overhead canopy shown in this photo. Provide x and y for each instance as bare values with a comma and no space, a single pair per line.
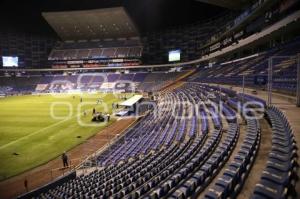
231,4
133,100
108,23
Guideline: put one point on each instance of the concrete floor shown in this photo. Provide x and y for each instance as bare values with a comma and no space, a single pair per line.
259,163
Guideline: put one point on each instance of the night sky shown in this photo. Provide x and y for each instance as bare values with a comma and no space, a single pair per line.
149,15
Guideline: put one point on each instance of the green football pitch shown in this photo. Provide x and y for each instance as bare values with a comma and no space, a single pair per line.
36,129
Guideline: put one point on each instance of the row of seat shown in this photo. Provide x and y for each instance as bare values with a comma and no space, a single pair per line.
99,181
153,132
235,174
166,172
203,173
278,177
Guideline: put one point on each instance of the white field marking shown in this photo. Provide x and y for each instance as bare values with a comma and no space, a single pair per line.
34,133
43,129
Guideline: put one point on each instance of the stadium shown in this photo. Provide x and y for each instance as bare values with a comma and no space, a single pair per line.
149,99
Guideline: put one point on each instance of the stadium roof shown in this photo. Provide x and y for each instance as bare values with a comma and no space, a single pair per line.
107,23
131,101
231,4
148,15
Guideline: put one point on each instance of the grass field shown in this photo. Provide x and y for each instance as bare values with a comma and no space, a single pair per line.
30,136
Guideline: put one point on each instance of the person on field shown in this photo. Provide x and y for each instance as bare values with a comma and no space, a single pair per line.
26,184
108,117
65,159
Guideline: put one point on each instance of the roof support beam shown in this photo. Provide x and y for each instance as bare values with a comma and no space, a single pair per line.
231,4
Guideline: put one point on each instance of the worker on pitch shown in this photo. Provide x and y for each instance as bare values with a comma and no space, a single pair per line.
65,159
107,117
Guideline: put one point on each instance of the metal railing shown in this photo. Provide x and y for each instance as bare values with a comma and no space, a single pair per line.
271,73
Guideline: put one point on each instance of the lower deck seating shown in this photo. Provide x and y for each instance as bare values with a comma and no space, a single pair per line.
200,177
176,156
229,185
279,176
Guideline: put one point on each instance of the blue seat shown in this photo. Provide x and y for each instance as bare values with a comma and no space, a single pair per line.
279,165
226,182
268,189
217,192
277,177
206,168
199,176
153,195
191,184
180,193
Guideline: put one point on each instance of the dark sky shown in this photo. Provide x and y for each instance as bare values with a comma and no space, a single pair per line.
149,15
